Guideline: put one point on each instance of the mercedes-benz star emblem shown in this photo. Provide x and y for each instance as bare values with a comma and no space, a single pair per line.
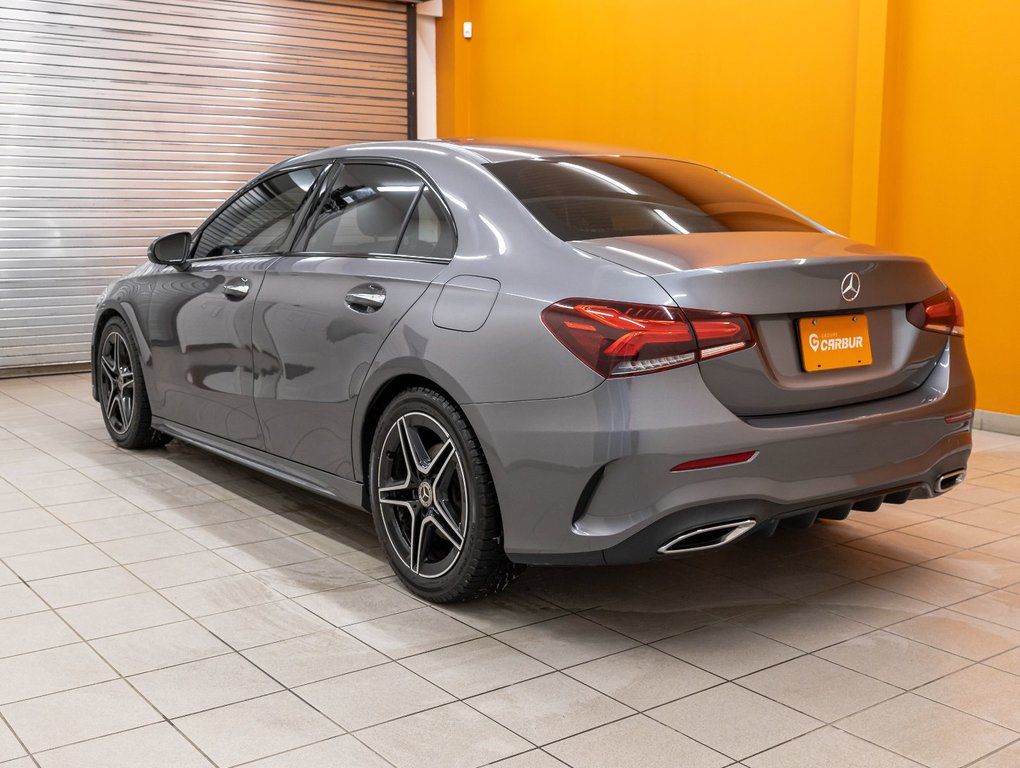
425,494
851,286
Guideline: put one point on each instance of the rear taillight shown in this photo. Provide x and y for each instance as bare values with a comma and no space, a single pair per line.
618,339
941,313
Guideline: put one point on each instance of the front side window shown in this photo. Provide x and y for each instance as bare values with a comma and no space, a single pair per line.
257,221
380,209
589,197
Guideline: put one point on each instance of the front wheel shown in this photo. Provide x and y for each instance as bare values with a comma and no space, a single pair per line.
433,501
121,390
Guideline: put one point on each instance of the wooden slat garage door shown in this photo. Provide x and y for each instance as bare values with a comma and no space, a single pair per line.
121,120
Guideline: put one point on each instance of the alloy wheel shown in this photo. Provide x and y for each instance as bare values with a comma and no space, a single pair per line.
117,382
422,495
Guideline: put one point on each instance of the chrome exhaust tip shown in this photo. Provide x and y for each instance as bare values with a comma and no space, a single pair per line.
949,480
709,537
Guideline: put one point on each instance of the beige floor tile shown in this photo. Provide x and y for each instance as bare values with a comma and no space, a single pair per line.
168,645
831,748
979,567
149,546
808,683
250,730
357,603
727,650
371,696
308,578
269,554
469,739
37,540
157,491
643,677
233,534
74,589
79,512
210,513
988,693
59,562
992,518
730,719
177,570
33,632
19,599
120,614
9,746
110,529
636,740
894,659
1001,607
847,561
339,752
647,626
957,633
901,546
927,585
412,632
261,624
1008,661
499,613
566,641
927,732
61,478
1006,549
26,520
549,708
952,533
7,576
228,593
86,490
310,658
86,713
1004,758
201,685
803,626
11,501
51,671
154,746
536,758
869,605
474,667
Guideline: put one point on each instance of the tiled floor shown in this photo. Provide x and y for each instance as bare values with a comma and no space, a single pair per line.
167,608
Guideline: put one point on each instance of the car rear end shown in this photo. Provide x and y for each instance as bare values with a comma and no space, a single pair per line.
787,372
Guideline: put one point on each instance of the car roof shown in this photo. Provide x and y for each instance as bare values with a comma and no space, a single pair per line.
479,150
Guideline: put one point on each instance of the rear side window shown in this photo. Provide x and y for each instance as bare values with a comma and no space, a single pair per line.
583,198
381,209
258,220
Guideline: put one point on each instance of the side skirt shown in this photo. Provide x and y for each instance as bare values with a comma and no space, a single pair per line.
323,483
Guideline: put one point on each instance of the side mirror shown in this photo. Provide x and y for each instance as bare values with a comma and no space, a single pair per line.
171,250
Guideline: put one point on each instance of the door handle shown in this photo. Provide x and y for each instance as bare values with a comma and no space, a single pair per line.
366,298
237,288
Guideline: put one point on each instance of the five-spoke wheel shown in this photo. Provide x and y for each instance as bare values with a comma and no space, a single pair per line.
433,500
116,382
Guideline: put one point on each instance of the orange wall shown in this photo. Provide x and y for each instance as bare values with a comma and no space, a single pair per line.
892,120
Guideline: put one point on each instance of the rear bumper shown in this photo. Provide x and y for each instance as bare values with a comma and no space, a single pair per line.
587,479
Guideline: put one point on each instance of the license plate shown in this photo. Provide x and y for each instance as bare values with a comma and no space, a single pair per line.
839,341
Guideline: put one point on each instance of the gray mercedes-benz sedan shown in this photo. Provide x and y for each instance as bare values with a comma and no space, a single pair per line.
520,353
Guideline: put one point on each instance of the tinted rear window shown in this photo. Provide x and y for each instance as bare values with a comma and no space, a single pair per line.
584,198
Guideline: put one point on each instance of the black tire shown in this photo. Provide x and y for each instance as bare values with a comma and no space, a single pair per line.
121,389
466,508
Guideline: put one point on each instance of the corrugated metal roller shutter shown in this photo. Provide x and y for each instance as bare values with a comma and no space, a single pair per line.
125,119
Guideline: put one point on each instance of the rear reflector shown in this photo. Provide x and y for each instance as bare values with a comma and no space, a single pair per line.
622,339
940,313
716,461
956,418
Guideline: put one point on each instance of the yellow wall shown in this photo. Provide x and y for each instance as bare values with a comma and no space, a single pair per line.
891,120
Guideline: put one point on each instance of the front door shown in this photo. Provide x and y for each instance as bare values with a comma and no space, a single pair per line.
379,237
200,319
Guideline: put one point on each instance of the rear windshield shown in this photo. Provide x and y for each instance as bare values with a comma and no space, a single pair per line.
584,198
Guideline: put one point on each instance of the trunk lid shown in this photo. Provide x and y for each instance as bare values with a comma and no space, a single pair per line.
777,278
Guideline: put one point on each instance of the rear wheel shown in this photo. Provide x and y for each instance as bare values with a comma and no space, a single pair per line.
121,388
434,503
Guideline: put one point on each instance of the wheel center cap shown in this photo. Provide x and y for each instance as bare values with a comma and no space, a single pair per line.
425,493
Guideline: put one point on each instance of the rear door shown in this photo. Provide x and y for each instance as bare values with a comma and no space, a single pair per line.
201,319
379,235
